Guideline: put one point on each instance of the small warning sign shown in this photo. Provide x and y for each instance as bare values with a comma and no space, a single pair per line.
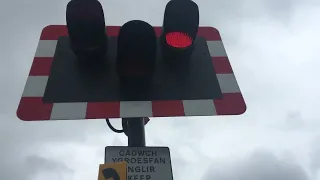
143,163
113,171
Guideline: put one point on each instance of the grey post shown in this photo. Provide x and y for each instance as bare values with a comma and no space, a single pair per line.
136,134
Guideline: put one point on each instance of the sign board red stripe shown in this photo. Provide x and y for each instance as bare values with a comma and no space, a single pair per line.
53,32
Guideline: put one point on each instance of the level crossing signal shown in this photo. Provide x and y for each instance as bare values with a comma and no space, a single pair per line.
86,29
87,70
136,54
179,31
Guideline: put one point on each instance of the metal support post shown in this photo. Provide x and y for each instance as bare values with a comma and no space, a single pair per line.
136,134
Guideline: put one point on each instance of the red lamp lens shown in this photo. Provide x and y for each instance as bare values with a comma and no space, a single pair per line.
178,39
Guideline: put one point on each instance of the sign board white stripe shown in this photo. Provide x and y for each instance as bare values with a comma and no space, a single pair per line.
199,107
216,49
46,48
69,110
35,86
228,83
136,109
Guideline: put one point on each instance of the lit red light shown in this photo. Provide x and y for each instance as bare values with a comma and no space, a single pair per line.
178,39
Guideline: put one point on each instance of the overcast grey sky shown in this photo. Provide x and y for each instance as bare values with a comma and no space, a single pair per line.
273,46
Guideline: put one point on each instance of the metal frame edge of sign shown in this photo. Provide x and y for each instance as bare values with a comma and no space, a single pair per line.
31,107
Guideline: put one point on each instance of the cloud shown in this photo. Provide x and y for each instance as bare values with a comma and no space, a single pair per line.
315,157
260,165
34,168
273,47
42,167
118,142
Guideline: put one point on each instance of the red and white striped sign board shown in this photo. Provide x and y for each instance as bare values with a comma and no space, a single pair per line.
32,108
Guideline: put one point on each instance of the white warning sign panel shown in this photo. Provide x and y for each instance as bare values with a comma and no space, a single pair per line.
143,163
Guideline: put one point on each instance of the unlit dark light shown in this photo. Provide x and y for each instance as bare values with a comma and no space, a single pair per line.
136,53
178,39
135,69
